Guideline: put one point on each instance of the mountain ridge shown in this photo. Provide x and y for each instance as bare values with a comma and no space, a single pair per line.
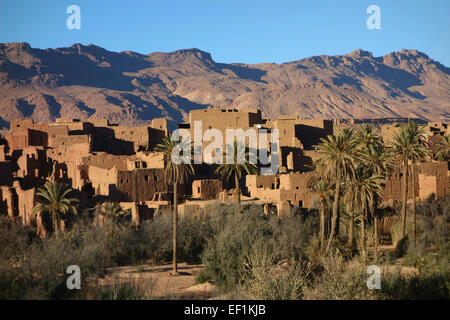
132,88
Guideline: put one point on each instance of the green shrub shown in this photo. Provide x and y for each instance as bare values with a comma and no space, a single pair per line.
33,268
224,254
340,280
263,279
235,232
426,285
202,277
125,289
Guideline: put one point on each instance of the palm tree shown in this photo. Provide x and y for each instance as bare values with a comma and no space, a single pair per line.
443,147
378,159
238,167
53,198
367,136
362,190
339,156
176,173
419,152
114,211
408,145
322,188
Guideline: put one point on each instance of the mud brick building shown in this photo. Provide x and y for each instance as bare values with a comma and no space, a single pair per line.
102,162
430,178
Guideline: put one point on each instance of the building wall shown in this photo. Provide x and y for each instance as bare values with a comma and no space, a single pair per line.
431,177
206,189
103,179
292,188
143,160
6,177
106,161
140,185
389,131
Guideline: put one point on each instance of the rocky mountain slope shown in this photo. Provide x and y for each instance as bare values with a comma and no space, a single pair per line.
132,88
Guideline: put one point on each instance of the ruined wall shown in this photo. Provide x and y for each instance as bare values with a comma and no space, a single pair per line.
206,189
436,128
431,177
8,201
103,180
33,165
140,185
292,188
143,160
26,202
106,161
259,181
438,170
26,138
139,136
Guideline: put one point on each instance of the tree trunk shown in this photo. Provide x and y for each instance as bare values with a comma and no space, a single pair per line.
363,232
375,232
404,196
322,225
55,223
413,182
238,188
351,232
335,209
174,222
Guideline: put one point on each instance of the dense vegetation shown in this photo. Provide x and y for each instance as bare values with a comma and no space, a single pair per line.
248,254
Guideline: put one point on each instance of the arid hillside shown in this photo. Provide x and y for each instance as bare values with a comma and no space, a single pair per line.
132,88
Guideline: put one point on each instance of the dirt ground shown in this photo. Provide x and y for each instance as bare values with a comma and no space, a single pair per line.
159,282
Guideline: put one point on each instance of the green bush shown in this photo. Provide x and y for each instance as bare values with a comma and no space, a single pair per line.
340,280
34,268
124,289
202,277
264,279
236,231
427,285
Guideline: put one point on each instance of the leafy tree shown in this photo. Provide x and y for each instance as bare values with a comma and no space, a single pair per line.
321,186
408,145
378,159
114,211
53,199
360,197
177,172
339,156
419,152
443,153
240,165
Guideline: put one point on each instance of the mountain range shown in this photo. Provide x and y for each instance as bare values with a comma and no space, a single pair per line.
131,88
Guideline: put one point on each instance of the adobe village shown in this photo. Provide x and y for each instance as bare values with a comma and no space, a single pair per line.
103,162
108,171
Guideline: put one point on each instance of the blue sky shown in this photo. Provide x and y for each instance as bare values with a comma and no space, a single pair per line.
234,31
